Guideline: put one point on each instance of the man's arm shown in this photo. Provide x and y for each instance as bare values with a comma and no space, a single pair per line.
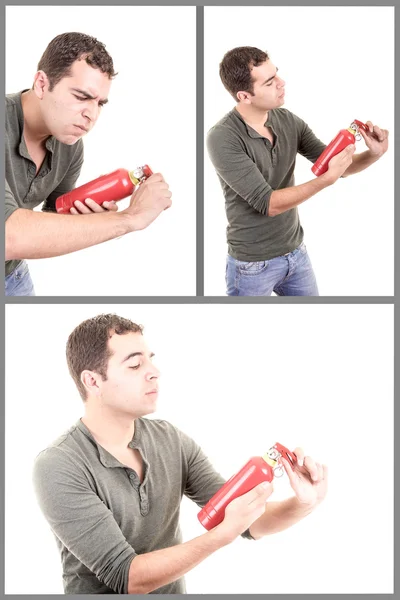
151,571
84,525
241,174
283,200
32,234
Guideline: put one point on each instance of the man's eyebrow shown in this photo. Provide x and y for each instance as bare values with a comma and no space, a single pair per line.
88,96
132,354
271,78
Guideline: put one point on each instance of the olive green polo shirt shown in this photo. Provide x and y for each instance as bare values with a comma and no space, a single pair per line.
102,516
24,188
249,169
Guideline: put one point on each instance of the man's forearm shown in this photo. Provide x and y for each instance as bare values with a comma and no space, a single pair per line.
282,200
151,571
279,516
361,162
31,234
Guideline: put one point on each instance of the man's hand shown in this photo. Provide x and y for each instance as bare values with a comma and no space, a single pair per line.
339,163
90,206
147,202
376,139
309,479
243,511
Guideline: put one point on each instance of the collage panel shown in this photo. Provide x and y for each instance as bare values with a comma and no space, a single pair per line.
116,88
137,445
299,151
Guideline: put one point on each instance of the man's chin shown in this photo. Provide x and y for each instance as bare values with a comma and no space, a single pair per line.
68,140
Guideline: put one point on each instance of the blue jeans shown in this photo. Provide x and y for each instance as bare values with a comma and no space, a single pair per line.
288,275
19,282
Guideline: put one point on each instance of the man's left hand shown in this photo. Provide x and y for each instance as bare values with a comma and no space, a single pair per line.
90,206
309,479
376,139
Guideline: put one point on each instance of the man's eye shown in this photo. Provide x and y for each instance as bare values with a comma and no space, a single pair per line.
135,367
79,98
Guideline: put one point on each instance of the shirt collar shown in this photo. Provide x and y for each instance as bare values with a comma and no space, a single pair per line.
252,132
107,459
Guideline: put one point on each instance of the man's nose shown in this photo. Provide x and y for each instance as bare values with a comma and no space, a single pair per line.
153,373
281,82
91,112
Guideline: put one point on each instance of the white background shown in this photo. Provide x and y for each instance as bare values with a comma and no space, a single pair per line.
338,64
237,379
150,118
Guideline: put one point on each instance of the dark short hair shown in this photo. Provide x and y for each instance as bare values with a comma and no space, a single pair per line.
66,48
235,69
87,345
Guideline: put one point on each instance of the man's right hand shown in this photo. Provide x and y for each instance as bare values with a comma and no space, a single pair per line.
243,511
147,202
339,164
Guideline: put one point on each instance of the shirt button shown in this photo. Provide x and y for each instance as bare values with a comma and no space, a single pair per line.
132,476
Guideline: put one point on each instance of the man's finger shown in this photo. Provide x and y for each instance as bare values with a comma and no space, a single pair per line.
110,205
311,467
299,452
82,208
370,126
320,472
73,211
261,490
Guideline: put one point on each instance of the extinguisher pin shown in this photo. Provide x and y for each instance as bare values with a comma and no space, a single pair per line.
278,471
356,128
274,453
139,174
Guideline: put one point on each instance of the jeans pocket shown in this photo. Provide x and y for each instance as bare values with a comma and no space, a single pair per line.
251,268
20,271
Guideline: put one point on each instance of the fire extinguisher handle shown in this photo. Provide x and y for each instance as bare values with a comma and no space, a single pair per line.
147,171
287,454
361,125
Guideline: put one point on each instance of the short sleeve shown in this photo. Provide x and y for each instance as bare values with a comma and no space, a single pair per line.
236,169
80,519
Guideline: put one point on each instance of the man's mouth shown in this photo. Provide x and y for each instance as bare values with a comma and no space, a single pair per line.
155,391
82,128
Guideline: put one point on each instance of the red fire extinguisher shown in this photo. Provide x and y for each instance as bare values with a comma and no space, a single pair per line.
115,186
255,471
344,138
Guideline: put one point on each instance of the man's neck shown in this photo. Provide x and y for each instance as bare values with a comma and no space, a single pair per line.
35,131
110,430
252,116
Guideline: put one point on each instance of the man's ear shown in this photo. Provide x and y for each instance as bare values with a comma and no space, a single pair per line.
40,84
91,381
244,97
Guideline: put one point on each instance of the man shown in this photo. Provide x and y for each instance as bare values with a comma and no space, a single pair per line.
253,149
44,155
111,487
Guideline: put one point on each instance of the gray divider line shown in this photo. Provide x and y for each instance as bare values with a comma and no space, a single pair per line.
200,300
199,151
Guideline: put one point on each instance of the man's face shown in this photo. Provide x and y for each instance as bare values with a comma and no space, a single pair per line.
72,108
131,387
268,89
